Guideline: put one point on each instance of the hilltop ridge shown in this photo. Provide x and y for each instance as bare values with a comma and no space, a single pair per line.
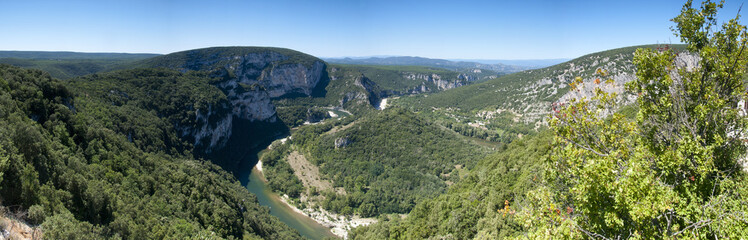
430,62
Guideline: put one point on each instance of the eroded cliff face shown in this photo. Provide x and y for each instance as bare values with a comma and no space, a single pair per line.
250,81
620,76
437,80
620,70
292,78
543,89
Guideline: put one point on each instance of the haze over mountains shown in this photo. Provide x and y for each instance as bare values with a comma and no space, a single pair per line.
501,66
536,63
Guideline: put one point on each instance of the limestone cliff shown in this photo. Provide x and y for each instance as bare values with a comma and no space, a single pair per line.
250,77
437,80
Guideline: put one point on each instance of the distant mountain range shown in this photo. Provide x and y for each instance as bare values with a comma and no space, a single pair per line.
532,63
73,55
66,65
501,66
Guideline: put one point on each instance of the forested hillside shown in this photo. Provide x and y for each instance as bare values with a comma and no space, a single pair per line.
67,160
358,88
385,162
473,207
674,169
515,105
128,126
532,92
642,142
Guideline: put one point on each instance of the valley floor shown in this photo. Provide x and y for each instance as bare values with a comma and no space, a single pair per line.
338,224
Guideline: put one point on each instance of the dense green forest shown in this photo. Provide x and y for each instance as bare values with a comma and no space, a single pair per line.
147,105
470,208
65,160
385,161
675,171
122,133
110,151
670,167
499,126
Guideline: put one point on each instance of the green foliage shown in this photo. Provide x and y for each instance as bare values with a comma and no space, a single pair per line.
385,161
80,179
510,91
357,87
279,173
470,208
296,115
510,106
503,127
150,106
528,95
675,171
393,79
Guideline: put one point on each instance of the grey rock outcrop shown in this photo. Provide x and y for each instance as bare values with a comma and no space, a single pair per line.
367,94
440,82
342,142
250,78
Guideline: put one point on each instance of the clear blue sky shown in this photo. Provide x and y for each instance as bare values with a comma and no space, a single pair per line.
491,29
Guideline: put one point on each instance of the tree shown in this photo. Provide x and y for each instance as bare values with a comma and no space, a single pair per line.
673,172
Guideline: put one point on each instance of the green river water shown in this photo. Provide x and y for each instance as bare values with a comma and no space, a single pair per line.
251,178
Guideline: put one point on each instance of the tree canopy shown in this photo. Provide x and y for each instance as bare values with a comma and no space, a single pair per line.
674,171
67,160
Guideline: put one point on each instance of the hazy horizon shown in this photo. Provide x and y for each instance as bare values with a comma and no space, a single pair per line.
540,29
484,29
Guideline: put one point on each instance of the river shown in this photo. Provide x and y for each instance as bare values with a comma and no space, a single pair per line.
251,178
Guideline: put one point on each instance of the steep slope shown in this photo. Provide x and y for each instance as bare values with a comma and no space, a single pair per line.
278,71
530,93
399,80
477,207
247,78
382,163
517,103
247,89
91,167
357,88
470,208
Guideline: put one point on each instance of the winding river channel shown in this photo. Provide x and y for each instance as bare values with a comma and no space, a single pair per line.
253,180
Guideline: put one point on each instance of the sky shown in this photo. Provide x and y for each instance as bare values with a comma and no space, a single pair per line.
458,29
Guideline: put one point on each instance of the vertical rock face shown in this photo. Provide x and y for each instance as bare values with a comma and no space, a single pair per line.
292,78
620,79
250,77
437,80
